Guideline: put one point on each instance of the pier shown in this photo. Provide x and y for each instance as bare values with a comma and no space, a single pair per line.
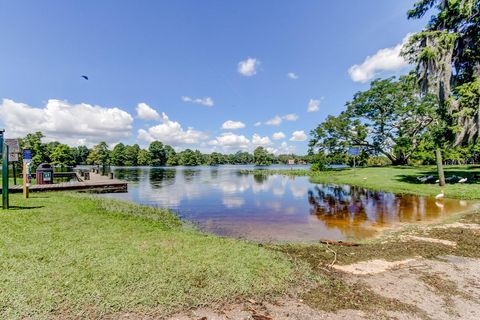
96,183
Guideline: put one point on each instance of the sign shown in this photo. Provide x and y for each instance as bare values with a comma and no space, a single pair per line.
47,176
12,157
13,149
353,151
27,154
13,145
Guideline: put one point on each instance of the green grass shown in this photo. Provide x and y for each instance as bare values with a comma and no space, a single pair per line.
396,179
65,254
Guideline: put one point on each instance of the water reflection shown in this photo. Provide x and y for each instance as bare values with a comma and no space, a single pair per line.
279,208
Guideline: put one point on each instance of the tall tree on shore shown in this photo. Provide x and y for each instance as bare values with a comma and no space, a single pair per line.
131,155
62,156
389,119
448,52
157,153
262,157
100,154
118,155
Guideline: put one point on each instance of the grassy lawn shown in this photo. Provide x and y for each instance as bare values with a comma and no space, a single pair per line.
66,254
397,179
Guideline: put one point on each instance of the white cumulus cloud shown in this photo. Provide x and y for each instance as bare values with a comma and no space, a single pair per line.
172,133
284,148
248,67
207,101
230,140
257,124
278,136
298,136
145,112
313,105
275,121
387,59
290,117
257,140
233,125
74,124
292,76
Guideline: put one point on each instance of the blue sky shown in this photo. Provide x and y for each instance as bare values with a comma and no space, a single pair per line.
181,59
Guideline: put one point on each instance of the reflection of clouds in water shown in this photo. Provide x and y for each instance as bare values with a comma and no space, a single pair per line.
181,186
263,186
298,191
233,202
278,191
239,185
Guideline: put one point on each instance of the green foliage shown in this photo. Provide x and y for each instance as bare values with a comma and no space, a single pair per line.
33,141
447,53
378,161
118,155
190,158
100,154
80,153
63,156
143,158
157,153
318,166
262,157
390,119
131,155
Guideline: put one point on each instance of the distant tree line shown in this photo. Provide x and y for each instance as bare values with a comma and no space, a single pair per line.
157,154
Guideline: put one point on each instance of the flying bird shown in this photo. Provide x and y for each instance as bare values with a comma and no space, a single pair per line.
85,77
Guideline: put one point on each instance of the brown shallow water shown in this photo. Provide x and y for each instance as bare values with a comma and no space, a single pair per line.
224,201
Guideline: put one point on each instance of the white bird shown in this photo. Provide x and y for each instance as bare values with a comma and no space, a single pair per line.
437,181
463,180
440,195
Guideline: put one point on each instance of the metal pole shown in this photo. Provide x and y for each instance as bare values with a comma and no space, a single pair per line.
5,177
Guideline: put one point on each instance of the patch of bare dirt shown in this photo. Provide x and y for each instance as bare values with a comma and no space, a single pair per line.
447,288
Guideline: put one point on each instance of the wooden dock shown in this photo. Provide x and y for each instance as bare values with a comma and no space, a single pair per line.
97,184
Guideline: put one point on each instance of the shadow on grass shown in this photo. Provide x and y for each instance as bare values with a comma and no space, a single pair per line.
24,207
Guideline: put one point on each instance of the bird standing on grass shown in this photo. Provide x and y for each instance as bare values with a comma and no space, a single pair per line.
440,195
463,180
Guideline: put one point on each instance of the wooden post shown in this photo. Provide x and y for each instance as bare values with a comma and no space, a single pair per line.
25,180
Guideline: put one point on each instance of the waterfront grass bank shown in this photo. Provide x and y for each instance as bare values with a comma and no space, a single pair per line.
402,180
74,255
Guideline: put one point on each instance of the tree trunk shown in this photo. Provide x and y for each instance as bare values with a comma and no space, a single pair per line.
441,174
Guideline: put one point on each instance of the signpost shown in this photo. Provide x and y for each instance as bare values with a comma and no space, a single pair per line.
353,151
4,157
27,158
13,151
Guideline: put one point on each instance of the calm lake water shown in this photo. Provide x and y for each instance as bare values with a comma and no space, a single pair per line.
224,201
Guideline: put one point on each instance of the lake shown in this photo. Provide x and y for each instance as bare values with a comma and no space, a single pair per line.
224,201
